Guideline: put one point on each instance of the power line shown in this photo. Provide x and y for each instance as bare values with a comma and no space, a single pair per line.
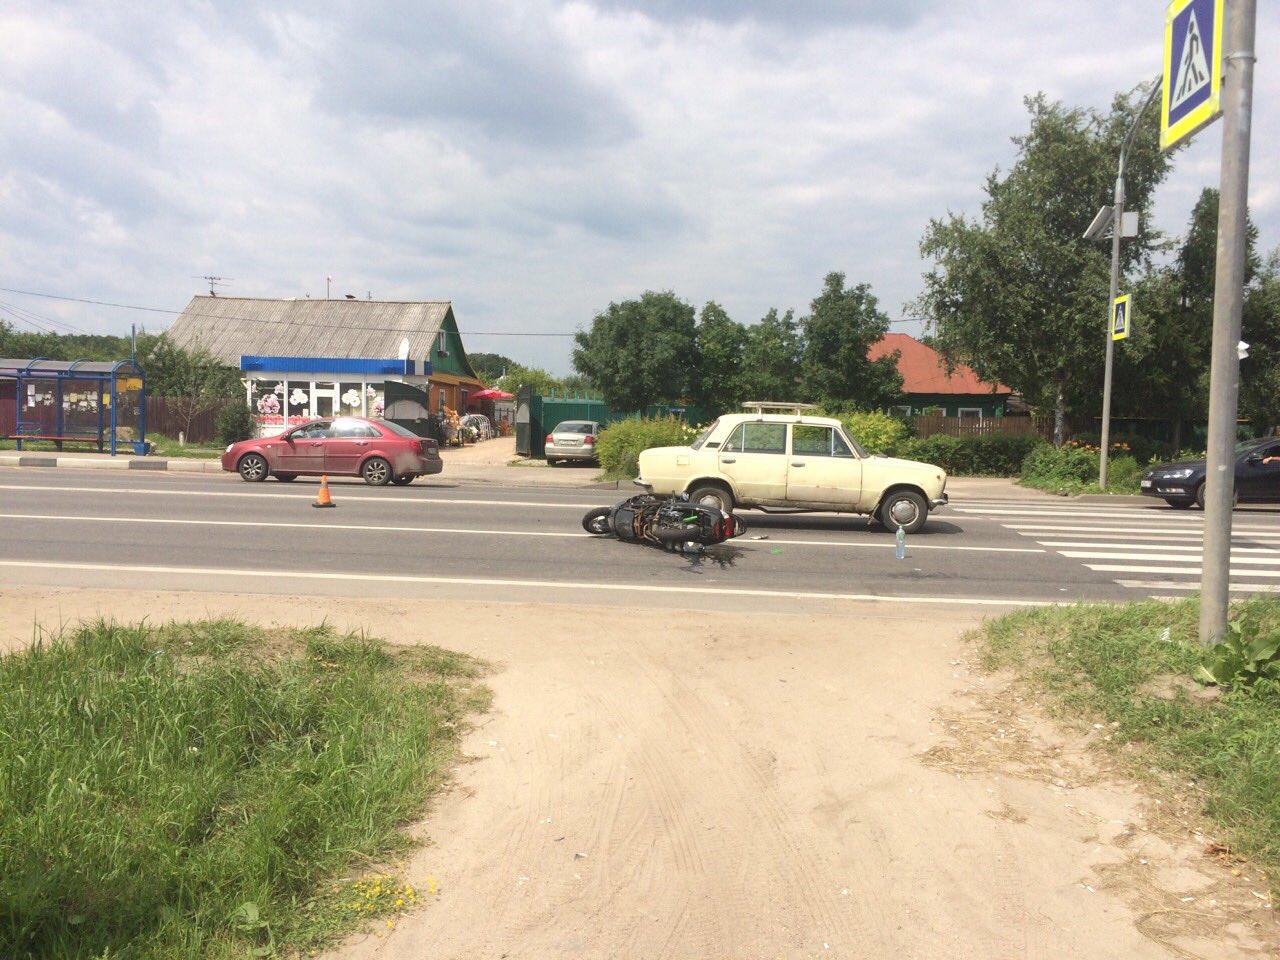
38,319
321,326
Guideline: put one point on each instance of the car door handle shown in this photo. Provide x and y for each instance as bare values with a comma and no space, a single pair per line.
362,443
728,459
794,464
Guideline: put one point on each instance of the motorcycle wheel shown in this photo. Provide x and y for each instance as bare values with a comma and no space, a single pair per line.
597,521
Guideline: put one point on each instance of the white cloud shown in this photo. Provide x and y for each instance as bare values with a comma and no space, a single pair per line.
534,160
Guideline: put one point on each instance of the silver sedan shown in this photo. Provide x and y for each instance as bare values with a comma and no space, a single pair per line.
572,440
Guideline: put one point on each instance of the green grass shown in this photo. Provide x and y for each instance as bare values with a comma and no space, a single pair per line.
211,789
1096,663
163,447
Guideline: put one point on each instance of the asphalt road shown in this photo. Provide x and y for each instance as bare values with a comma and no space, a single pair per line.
172,531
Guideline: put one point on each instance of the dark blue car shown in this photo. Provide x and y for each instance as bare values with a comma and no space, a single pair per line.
1181,484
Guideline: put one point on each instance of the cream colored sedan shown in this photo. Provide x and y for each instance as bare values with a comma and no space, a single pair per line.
794,463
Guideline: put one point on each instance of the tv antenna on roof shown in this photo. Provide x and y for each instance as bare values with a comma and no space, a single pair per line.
214,282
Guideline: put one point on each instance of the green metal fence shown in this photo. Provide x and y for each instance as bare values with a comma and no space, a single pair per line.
538,415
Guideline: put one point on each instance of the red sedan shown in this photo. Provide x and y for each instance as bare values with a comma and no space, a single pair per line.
377,450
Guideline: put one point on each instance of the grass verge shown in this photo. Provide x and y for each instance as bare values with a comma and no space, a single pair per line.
162,446
1130,665
201,789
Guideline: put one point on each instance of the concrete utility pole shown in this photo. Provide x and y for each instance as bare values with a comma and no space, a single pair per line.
1228,297
1117,231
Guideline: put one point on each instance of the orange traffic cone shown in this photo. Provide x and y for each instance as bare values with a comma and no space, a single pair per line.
322,498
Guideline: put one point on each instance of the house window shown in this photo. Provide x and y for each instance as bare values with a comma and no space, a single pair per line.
901,410
441,344
970,413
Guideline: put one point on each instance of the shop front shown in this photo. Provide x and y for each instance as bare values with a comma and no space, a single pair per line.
285,391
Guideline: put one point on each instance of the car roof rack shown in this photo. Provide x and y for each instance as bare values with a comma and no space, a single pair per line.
769,406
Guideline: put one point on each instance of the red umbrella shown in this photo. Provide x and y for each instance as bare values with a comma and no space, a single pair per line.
492,393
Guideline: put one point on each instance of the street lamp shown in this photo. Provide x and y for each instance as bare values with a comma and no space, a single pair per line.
1115,217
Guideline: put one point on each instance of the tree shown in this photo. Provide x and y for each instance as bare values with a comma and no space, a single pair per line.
490,366
1163,369
842,324
517,376
192,380
721,342
1018,294
771,359
1260,328
640,352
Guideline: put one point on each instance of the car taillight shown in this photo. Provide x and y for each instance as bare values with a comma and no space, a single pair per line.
550,439
417,447
590,441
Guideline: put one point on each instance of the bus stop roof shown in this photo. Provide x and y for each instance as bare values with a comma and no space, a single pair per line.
97,369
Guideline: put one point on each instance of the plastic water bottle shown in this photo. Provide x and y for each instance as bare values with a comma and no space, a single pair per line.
900,550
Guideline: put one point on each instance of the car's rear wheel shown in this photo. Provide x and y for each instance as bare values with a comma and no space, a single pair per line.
404,479
286,477
253,468
712,495
376,472
904,508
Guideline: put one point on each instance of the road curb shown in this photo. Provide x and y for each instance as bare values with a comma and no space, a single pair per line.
1111,498
112,463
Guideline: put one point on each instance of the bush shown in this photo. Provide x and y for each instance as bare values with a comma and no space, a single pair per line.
621,443
1143,449
234,423
1073,468
878,432
990,456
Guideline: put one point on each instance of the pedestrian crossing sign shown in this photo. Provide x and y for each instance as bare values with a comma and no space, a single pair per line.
1192,69
1120,318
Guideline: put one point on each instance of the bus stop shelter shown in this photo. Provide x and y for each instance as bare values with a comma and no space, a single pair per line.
74,401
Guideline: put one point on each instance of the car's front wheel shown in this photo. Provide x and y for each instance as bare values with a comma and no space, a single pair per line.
376,472
906,509
253,468
713,495
1235,496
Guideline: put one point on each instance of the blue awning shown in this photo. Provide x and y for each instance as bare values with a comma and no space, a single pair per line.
337,365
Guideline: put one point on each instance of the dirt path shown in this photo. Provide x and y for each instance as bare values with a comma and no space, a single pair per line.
709,785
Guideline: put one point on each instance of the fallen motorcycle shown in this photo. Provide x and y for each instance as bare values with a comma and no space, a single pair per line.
669,522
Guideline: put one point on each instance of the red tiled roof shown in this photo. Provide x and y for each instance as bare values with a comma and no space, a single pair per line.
923,370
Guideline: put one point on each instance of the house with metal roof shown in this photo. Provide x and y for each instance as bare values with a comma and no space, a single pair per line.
929,387
305,358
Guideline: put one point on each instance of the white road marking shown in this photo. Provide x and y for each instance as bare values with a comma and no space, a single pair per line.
339,496
1118,555
1188,585
1127,568
1152,547
1135,537
886,545
276,575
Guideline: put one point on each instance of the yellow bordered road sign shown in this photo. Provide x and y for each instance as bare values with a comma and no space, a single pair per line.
1120,317
1192,95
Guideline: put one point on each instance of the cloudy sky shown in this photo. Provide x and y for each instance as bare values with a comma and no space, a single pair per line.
533,160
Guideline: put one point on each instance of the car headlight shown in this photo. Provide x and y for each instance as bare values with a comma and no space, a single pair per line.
1177,474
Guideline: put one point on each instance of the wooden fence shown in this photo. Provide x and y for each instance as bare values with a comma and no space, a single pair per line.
927,426
166,416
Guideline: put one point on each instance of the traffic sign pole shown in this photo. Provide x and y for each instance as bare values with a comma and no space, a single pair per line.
1228,299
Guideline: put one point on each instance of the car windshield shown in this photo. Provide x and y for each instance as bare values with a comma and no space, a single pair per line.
574,426
1245,446
397,429
701,438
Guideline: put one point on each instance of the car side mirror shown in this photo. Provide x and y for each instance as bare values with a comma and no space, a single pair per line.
1253,458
